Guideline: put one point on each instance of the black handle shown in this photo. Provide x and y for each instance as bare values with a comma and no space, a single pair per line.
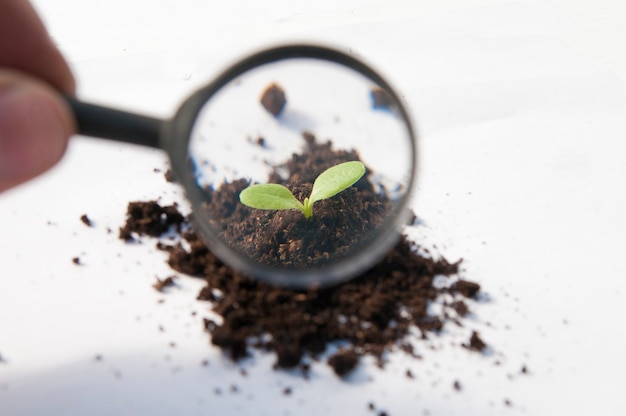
108,123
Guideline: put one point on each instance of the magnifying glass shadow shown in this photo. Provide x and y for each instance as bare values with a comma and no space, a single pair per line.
296,120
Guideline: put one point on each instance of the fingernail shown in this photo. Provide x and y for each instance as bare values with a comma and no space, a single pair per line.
33,131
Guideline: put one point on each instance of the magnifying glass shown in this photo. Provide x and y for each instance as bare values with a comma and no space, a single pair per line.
323,129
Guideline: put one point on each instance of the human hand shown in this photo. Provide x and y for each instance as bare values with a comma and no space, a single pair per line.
35,122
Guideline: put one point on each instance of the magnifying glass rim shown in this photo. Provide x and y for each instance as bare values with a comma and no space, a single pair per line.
181,127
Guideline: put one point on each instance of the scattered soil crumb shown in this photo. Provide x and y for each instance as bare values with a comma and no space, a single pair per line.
76,261
161,285
344,361
306,370
460,308
457,385
308,137
85,220
287,391
465,288
151,219
273,99
381,98
169,176
475,342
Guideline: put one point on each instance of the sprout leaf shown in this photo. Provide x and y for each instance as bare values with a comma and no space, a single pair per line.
329,183
336,179
269,196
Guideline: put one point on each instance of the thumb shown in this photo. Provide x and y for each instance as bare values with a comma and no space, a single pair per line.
35,124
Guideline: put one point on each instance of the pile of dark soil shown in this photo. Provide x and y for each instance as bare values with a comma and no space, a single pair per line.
371,314
339,225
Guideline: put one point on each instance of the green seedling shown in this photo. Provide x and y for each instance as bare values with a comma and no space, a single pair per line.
328,184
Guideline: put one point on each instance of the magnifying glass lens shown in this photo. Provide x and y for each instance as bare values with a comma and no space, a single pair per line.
285,122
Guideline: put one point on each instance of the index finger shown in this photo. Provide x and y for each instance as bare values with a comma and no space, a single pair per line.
26,46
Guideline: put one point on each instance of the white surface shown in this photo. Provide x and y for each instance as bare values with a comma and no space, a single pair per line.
521,109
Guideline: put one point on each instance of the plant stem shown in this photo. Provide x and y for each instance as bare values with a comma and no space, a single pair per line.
308,208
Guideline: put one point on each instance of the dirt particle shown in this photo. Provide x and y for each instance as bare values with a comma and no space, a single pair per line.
150,218
161,285
465,288
460,308
381,98
85,220
273,99
344,361
475,343
308,137
170,176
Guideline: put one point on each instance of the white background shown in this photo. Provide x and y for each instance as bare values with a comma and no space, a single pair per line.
521,111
